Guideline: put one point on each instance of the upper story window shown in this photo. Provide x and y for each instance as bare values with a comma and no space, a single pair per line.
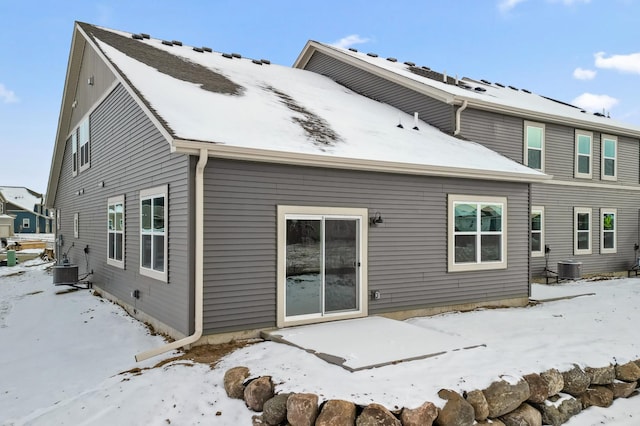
477,233
609,158
74,152
584,154
534,145
83,142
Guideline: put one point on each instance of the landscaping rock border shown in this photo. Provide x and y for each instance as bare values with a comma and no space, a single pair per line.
550,397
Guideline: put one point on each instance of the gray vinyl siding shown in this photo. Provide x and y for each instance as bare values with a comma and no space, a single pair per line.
498,132
559,203
87,95
407,253
129,154
434,112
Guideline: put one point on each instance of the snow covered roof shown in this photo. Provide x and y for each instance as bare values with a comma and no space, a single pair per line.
23,198
250,108
479,93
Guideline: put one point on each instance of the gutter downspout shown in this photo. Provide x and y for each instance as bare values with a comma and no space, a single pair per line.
464,105
199,263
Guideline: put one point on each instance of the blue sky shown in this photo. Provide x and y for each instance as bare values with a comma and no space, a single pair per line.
581,51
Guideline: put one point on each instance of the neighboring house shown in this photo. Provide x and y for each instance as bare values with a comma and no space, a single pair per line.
224,195
587,213
27,209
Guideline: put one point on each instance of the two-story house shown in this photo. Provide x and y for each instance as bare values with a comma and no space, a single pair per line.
27,209
586,213
216,195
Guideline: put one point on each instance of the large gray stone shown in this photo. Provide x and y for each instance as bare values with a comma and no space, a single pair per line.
376,415
622,389
537,387
601,376
336,412
576,381
479,403
503,397
257,392
424,415
599,396
629,372
302,409
524,415
554,380
557,410
234,382
456,411
274,410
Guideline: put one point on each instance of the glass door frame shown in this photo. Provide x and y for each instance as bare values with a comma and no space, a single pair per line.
311,212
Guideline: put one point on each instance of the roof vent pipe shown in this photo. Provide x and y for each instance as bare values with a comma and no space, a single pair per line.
456,79
415,121
444,76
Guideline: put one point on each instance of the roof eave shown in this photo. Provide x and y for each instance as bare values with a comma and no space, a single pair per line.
312,46
218,150
549,118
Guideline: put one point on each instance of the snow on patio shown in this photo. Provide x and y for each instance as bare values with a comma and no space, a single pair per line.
62,354
363,343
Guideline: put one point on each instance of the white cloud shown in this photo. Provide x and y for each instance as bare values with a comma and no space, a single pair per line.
595,103
507,5
7,96
582,74
625,63
350,40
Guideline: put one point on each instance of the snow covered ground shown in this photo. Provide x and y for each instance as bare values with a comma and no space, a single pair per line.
64,358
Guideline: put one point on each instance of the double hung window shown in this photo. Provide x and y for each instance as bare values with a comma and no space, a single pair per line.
115,231
582,230
477,233
584,154
153,233
534,145
609,158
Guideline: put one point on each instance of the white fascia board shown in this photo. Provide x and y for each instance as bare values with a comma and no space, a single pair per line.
298,159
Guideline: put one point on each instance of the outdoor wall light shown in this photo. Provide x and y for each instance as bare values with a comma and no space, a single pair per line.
101,184
90,81
376,219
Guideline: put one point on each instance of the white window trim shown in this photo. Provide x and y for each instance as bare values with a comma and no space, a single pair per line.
76,225
526,143
284,212
615,159
74,153
538,209
159,191
576,211
84,131
615,231
26,223
111,201
578,174
454,267
58,219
